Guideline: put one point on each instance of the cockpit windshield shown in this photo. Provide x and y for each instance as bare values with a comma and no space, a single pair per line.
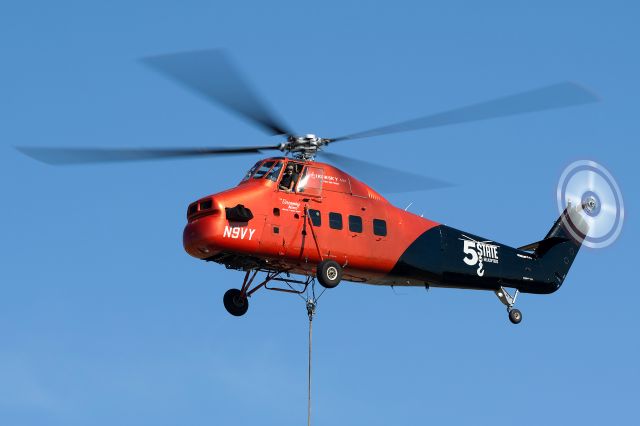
251,171
263,169
275,171
269,169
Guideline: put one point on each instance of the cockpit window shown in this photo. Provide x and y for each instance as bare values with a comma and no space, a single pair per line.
311,181
275,171
263,169
251,171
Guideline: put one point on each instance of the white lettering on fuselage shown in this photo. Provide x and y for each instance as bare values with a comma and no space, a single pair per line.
238,232
331,180
290,206
479,253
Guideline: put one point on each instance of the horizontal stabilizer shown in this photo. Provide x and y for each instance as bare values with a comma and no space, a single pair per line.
541,247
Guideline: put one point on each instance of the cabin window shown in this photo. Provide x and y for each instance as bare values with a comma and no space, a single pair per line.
263,169
250,172
380,227
310,182
206,204
316,218
335,220
275,172
355,223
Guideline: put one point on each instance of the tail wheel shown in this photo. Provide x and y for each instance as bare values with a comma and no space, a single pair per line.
235,303
329,273
515,316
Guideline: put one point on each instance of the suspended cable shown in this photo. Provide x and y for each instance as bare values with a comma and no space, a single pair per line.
311,310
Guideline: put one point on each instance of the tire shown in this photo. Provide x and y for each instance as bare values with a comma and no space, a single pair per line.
235,303
329,273
515,316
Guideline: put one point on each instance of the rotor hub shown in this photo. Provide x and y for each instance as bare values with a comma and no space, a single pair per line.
304,147
591,203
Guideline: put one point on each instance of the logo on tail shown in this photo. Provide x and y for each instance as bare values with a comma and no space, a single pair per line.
479,253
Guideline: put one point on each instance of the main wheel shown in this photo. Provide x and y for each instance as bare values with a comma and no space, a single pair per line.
329,273
235,303
515,316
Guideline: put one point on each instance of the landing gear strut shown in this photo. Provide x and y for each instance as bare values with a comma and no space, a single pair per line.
515,316
236,301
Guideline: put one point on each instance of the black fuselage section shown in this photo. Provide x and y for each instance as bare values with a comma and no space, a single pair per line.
447,257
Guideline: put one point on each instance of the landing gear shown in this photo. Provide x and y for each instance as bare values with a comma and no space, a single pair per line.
235,303
329,273
515,316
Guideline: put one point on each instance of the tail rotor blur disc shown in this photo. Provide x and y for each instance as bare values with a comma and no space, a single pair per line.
590,189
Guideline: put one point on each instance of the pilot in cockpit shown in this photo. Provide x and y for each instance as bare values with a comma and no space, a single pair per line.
288,179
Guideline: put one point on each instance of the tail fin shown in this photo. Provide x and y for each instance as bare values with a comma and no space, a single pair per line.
560,246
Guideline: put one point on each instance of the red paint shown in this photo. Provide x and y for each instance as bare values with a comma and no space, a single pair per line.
364,256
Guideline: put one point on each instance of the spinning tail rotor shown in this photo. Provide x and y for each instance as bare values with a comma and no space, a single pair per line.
590,191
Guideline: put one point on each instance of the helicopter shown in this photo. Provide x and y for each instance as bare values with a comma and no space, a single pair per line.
294,215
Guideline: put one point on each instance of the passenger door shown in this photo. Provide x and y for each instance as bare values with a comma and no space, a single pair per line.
283,224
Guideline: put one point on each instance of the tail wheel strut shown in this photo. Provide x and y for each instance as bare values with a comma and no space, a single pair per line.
515,316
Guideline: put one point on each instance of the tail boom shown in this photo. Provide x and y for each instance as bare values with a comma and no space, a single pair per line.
447,257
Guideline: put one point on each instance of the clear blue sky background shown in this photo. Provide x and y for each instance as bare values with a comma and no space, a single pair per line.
105,320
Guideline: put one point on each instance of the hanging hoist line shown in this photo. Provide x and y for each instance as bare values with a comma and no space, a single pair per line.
311,310
311,303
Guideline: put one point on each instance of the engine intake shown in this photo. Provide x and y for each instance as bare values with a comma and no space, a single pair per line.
239,213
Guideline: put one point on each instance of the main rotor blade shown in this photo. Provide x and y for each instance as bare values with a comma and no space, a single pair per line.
66,156
385,179
211,74
559,95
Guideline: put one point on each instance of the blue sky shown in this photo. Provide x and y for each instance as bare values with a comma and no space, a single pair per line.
104,319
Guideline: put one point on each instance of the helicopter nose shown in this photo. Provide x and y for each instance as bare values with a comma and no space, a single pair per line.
213,228
199,236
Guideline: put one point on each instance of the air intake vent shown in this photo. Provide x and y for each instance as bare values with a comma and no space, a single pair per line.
200,208
206,204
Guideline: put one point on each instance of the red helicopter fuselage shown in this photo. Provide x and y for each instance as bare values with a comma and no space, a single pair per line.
328,215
